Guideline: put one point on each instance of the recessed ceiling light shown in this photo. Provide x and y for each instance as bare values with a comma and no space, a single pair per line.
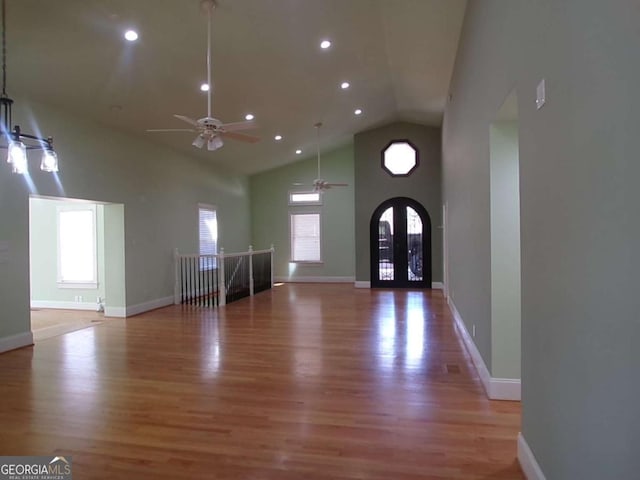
131,35
204,87
345,85
278,138
249,116
325,44
298,152
358,111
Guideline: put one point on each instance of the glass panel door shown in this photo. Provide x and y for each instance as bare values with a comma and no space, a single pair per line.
385,245
414,245
400,245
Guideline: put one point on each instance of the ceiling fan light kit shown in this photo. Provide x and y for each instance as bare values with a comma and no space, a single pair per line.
211,131
14,140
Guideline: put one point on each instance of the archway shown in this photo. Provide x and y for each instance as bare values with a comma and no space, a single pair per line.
400,244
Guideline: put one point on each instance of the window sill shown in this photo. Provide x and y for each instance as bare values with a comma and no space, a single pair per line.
307,262
79,285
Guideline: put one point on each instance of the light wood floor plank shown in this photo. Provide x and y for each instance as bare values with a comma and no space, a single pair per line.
305,381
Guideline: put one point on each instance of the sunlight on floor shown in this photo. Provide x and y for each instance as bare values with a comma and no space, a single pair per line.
47,323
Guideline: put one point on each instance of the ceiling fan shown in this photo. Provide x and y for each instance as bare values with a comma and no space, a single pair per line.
320,185
210,130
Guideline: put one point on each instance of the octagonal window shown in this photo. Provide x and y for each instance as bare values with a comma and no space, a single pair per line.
400,158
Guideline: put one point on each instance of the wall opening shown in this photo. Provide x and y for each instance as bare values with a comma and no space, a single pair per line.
76,258
505,242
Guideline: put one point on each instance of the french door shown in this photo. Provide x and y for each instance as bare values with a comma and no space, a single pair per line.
400,233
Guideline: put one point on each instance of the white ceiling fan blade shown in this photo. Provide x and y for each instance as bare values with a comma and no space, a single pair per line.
171,130
235,126
336,184
241,136
187,119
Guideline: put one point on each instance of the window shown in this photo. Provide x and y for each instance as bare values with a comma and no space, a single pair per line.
208,229
305,237
305,198
77,259
400,158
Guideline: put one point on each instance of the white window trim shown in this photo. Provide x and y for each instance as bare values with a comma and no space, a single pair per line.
213,208
90,284
306,262
294,203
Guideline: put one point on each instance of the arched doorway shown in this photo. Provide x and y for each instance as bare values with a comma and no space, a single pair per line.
400,243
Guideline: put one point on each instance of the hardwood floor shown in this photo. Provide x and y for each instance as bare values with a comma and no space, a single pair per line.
302,382
47,323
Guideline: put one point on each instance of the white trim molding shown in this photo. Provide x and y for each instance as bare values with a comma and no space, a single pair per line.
314,279
147,306
528,461
19,340
483,372
116,312
92,306
505,389
496,388
437,285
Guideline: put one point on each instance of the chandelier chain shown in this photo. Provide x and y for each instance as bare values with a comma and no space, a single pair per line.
4,50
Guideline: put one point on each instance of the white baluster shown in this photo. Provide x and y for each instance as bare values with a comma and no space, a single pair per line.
222,291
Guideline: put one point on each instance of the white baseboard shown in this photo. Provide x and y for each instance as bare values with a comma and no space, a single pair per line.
437,285
16,341
117,312
92,306
483,372
505,389
150,305
314,279
528,461
496,388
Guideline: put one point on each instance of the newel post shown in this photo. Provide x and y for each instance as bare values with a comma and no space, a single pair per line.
176,273
273,249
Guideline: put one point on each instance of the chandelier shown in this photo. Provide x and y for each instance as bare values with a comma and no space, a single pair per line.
14,140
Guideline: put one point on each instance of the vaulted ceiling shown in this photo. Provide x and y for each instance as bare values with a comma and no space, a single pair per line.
397,55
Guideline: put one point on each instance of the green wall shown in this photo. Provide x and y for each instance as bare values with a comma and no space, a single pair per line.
580,227
270,216
374,185
114,253
43,245
159,188
505,250
14,256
